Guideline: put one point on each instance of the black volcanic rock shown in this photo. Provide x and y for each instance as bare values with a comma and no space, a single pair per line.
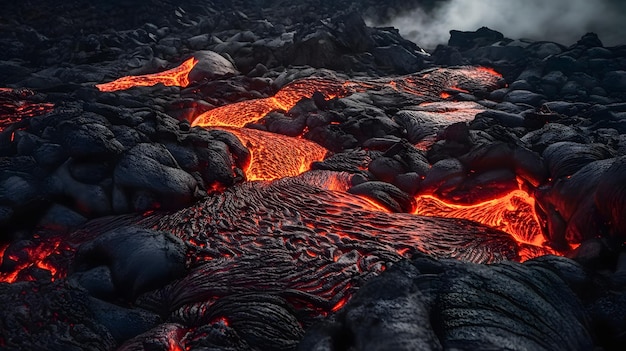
160,175
610,198
434,305
470,40
386,194
237,273
139,259
210,66
89,141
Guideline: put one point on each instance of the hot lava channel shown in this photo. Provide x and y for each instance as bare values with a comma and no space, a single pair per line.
335,213
275,156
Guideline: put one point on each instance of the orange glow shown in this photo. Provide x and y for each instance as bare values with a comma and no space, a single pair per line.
178,76
274,156
220,320
459,89
173,345
35,256
339,305
241,113
14,106
489,70
512,213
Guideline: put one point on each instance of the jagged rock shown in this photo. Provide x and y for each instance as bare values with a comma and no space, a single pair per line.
386,169
399,58
552,133
468,40
503,118
543,49
88,141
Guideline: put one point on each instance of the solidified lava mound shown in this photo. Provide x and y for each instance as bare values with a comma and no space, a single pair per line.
278,175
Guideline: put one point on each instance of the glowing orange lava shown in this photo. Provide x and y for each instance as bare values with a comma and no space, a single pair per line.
242,113
275,156
513,213
178,76
339,305
489,70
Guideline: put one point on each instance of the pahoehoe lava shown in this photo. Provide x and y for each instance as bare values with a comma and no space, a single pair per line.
281,175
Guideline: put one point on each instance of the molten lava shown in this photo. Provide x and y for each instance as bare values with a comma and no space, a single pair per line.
242,113
15,106
420,84
274,156
178,76
512,213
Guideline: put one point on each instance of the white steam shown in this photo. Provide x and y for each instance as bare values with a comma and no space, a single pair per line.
561,21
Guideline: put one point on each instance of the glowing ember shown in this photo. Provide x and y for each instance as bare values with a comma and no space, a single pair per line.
339,305
178,76
35,256
275,156
489,70
14,106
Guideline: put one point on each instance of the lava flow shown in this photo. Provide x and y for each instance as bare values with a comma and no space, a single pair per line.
513,213
274,156
241,113
178,76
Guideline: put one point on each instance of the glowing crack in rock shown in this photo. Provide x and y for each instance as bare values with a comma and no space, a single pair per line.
24,262
15,106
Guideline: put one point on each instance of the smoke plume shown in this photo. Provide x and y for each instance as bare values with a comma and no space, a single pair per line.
562,21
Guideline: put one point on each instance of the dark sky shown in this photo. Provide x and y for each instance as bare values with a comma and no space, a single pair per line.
562,21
